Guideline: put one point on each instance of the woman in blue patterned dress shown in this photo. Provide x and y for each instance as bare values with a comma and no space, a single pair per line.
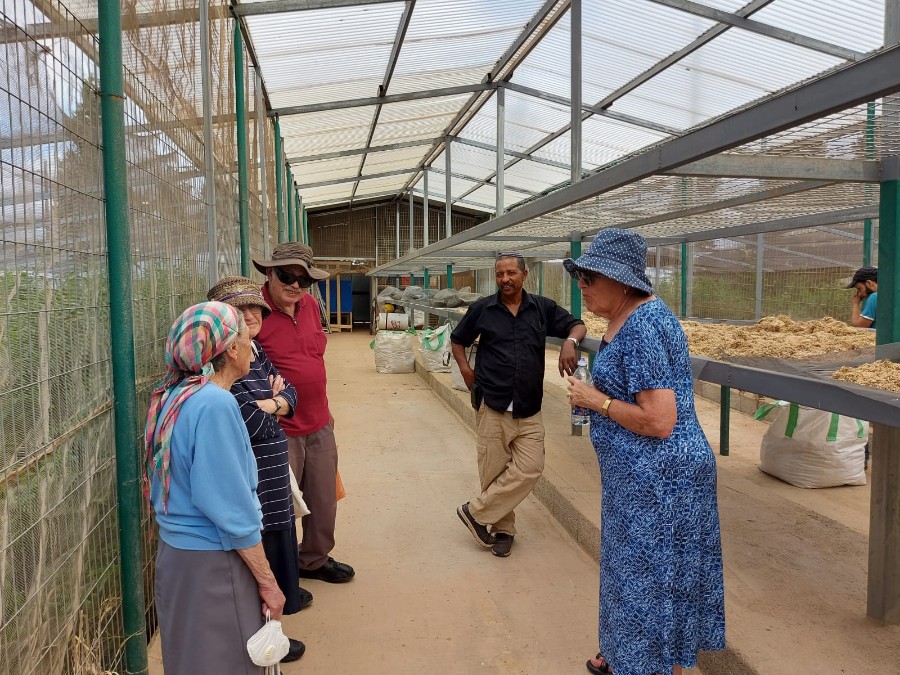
662,596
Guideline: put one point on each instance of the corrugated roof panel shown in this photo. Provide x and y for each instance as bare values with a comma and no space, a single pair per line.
410,120
546,68
487,195
389,160
603,140
324,54
328,131
376,185
456,42
314,195
856,25
735,69
313,172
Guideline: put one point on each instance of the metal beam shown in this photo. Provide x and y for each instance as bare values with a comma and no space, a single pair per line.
796,222
397,172
549,240
675,57
511,153
539,25
791,37
784,168
282,6
867,80
362,151
594,109
378,100
385,83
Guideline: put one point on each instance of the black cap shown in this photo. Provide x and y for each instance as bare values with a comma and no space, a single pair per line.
864,274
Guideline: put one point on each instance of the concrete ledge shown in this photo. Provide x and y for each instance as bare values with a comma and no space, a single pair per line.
578,515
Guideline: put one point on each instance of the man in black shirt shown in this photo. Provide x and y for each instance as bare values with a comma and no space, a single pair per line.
507,385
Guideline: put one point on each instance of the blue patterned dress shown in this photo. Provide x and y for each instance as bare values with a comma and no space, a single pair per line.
661,588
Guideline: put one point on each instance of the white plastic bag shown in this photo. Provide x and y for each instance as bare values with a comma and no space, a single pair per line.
269,644
813,448
394,352
434,345
456,378
300,507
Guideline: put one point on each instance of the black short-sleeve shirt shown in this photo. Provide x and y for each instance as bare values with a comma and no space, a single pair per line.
510,362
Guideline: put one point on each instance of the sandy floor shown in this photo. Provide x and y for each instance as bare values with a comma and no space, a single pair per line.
426,598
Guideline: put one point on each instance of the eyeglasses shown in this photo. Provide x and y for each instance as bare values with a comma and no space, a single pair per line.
288,279
585,277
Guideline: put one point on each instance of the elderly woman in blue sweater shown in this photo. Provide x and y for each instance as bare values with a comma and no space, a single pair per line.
213,581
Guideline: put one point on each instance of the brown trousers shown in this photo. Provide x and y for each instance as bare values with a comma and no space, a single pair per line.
314,461
510,461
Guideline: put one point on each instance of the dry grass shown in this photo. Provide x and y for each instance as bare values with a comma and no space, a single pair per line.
878,375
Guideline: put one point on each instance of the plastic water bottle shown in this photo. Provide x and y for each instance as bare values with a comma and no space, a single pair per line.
581,416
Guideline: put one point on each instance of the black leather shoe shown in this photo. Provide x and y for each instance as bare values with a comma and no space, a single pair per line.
479,531
502,544
295,652
306,598
332,571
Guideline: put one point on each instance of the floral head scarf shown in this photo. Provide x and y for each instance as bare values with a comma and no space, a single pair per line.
201,333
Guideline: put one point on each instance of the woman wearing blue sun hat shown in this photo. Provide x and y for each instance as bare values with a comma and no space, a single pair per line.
662,596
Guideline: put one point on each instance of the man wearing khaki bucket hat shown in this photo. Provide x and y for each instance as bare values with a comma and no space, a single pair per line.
294,340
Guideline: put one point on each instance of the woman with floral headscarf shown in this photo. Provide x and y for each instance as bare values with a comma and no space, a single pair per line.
211,569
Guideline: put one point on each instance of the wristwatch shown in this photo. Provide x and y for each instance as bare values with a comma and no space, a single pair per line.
576,342
277,405
604,409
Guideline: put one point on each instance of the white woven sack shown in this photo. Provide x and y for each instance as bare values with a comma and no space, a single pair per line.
435,349
394,352
813,448
456,378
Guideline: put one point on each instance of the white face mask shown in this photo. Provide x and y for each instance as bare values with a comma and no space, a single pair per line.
268,645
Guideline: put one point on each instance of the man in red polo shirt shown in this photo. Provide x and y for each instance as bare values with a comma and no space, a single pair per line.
294,341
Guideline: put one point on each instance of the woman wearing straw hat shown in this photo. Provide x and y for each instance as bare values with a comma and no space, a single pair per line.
211,569
662,596
265,398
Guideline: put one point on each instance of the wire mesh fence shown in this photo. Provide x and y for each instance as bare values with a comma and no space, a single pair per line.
60,597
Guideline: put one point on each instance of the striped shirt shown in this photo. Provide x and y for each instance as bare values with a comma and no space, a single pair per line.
268,440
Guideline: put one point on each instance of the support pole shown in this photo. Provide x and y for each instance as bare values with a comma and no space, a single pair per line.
725,421
575,246
684,279
288,204
448,191
499,207
870,154
540,278
575,75
760,270
241,128
412,219
263,163
656,270
397,238
450,276
128,449
425,207
425,278
279,181
305,224
209,160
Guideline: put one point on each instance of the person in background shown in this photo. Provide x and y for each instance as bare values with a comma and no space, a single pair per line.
264,397
213,582
294,340
513,326
864,302
662,595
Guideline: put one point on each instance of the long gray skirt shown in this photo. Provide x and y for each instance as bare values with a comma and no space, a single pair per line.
208,606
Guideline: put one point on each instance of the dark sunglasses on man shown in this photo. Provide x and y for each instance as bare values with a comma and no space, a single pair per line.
289,279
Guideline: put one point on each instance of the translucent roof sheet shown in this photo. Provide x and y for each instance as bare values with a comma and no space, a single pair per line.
856,25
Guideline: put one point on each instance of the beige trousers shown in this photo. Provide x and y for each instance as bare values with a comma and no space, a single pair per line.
510,461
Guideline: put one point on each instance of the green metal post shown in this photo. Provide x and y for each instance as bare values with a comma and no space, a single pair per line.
121,319
684,278
305,225
540,278
449,276
289,204
279,180
870,154
298,218
241,127
724,420
887,329
425,279
573,283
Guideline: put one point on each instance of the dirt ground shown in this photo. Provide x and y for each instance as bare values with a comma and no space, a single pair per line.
426,598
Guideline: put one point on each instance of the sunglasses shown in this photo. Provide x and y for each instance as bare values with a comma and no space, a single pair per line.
288,279
509,254
585,277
